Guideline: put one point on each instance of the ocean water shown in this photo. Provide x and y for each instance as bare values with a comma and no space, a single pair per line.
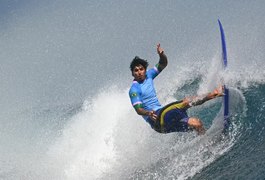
65,111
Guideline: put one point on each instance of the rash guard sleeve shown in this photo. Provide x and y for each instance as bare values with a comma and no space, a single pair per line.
135,96
153,72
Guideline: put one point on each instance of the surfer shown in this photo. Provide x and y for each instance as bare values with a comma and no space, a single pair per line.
172,117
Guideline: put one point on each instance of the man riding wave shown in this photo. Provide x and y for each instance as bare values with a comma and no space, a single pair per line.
172,117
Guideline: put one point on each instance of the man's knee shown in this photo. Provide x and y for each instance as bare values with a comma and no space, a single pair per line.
194,122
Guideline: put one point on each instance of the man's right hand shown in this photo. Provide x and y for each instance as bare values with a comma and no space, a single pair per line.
152,115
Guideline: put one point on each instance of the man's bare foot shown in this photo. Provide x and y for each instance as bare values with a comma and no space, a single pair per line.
219,91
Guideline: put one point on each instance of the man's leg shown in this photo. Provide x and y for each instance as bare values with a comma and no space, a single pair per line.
196,124
198,100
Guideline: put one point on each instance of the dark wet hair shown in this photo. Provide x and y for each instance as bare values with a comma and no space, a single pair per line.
137,61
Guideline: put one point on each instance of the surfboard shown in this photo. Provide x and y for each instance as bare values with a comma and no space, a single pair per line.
226,90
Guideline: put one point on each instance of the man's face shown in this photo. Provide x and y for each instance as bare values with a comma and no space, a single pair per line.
139,73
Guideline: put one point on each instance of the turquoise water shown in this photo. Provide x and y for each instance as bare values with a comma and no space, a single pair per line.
245,159
65,110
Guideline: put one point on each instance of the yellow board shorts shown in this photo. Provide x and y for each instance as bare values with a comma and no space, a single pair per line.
172,118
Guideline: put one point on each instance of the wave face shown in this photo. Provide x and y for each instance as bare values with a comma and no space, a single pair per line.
65,110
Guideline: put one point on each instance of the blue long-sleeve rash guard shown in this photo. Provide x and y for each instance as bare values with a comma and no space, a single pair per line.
143,94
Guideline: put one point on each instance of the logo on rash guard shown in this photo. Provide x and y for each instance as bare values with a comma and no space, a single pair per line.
133,94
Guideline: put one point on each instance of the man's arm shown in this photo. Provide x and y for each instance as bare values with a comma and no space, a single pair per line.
163,58
137,104
143,112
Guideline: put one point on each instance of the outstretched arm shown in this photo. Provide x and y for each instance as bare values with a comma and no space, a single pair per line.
163,58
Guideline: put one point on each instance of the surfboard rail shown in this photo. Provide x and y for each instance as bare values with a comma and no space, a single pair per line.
226,90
